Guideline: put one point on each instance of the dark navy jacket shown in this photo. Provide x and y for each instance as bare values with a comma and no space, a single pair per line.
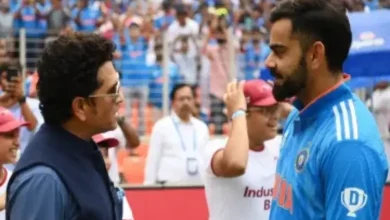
79,165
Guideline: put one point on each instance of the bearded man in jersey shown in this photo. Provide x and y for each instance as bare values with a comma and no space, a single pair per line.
239,171
332,163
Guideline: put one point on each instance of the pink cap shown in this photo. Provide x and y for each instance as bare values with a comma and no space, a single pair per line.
101,138
8,122
258,93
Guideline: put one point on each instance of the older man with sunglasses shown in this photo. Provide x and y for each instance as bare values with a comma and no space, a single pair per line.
62,175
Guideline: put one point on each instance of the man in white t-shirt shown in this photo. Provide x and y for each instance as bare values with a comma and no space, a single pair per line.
105,143
9,146
183,26
239,172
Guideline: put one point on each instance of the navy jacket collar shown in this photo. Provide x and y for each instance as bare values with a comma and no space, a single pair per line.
78,144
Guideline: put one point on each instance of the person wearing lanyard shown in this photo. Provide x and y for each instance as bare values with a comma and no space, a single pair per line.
176,141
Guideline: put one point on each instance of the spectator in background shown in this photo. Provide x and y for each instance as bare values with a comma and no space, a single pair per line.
176,142
201,15
182,26
186,60
14,99
58,19
86,17
44,7
162,22
198,112
9,146
258,18
218,55
147,30
380,107
135,76
129,17
4,54
256,53
372,4
156,85
6,21
28,16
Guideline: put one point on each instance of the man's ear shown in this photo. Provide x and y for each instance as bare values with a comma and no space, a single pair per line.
79,105
316,55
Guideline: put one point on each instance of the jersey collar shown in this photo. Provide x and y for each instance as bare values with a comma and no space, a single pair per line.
323,101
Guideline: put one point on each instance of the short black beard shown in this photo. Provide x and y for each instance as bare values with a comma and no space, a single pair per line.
292,84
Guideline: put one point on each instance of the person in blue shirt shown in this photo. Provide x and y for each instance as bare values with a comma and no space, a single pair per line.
28,16
255,54
136,76
86,17
332,162
61,175
162,22
157,83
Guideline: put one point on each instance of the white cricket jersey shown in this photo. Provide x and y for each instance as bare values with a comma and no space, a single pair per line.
3,188
245,197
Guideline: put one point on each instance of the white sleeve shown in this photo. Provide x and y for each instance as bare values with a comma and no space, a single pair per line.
34,106
154,154
274,145
209,151
127,214
113,172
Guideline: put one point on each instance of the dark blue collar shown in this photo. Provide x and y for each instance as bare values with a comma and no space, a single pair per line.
323,102
71,142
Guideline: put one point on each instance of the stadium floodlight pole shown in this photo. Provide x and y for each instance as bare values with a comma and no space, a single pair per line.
22,52
232,54
165,68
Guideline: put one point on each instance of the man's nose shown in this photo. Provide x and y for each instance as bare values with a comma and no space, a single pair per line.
120,98
270,62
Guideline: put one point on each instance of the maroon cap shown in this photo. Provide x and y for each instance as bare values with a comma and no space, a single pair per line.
258,93
101,138
8,122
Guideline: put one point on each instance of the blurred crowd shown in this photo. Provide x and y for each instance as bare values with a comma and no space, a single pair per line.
203,36
203,43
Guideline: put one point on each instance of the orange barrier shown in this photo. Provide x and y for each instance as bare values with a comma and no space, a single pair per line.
133,169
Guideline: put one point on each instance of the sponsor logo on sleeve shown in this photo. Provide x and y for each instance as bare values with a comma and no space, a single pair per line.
353,199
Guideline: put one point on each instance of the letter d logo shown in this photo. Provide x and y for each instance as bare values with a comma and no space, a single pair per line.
353,199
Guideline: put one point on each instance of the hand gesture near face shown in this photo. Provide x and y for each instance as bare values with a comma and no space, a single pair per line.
234,97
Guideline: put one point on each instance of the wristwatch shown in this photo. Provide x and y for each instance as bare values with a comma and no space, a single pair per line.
22,100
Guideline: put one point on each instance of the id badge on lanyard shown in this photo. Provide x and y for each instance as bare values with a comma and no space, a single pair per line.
191,161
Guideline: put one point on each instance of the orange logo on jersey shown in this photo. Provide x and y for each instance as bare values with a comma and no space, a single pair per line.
283,194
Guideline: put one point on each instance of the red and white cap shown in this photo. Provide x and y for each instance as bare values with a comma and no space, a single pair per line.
8,122
101,138
258,93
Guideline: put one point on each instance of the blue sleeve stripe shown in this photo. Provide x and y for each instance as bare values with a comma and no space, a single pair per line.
346,121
